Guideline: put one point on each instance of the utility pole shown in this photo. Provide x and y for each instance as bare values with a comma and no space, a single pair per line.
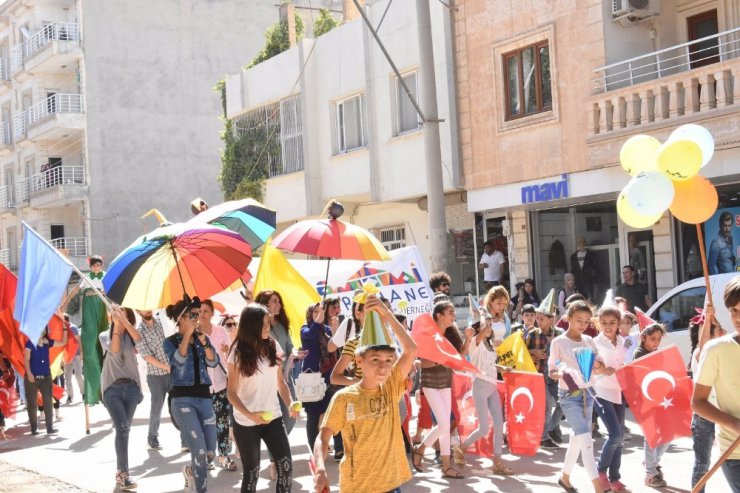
432,153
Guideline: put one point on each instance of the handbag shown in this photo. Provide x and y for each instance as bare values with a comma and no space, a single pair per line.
310,386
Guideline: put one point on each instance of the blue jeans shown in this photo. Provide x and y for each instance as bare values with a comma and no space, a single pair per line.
553,411
731,469
198,431
611,452
158,386
121,399
702,431
577,410
652,457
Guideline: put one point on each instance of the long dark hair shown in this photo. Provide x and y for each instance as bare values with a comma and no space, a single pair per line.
249,346
263,298
451,332
131,319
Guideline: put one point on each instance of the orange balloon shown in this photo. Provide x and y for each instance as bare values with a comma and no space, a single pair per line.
695,200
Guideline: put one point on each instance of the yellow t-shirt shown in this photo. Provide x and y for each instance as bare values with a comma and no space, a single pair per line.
349,350
719,369
370,422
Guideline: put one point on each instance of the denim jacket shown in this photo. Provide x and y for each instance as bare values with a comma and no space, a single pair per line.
182,371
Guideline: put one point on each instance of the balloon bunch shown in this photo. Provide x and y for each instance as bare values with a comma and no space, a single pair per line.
666,177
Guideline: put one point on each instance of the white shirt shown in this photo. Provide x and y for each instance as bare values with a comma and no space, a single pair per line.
492,273
218,338
563,357
499,332
258,392
338,338
484,360
630,345
607,386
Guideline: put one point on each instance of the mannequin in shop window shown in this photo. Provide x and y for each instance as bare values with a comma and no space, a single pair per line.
583,265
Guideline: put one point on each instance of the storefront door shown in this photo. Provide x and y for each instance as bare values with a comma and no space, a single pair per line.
607,258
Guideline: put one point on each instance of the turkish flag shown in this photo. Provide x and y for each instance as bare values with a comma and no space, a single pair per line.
432,345
8,397
658,392
462,389
525,411
12,341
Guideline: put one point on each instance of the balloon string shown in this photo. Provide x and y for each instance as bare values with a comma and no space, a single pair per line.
704,263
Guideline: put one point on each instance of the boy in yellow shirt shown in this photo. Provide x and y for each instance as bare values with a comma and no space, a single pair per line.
367,413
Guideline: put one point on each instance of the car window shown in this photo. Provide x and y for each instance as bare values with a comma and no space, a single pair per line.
676,312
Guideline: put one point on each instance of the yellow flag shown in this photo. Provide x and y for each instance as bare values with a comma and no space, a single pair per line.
276,274
513,353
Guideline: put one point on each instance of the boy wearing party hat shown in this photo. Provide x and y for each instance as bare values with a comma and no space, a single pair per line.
538,343
367,413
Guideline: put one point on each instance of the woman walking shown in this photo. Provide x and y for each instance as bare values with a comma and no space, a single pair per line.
190,354
255,380
120,385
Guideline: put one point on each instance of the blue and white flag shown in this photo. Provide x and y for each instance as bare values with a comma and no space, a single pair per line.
42,280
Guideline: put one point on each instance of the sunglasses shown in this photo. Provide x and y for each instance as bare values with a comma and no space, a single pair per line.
230,325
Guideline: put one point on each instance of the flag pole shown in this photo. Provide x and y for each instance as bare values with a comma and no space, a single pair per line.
704,266
716,466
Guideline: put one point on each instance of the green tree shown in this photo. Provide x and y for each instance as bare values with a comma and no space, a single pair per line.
324,23
277,40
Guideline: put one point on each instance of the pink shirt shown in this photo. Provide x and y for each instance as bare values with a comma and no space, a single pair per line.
219,337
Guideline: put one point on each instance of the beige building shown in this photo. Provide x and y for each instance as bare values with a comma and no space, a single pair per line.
547,94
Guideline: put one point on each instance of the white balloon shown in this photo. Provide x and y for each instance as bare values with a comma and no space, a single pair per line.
649,193
698,134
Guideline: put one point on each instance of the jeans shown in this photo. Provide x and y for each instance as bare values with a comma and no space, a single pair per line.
158,386
553,410
577,410
41,383
611,452
652,457
121,399
487,401
74,366
731,470
702,431
248,440
222,410
198,431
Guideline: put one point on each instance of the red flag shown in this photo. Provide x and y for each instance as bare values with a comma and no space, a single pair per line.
658,392
462,387
12,341
525,411
432,345
57,392
8,397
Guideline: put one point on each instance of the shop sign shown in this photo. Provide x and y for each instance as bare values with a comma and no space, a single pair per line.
546,191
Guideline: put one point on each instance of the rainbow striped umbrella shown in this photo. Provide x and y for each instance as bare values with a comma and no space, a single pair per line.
249,218
158,269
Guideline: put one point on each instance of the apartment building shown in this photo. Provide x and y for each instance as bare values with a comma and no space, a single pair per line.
344,128
549,91
107,110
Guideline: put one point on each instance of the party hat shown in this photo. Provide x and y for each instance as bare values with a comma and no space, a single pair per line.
643,320
609,300
374,332
585,357
547,306
622,305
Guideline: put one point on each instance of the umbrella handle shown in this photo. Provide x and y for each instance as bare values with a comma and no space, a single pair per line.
179,272
326,279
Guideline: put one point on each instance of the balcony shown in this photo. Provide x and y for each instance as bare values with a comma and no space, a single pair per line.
5,258
5,140
55,117
656,92
75,246
57,187
4,76
7,198
50,49
19,127
22,192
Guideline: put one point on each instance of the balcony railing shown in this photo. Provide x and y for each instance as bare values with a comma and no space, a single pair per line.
4,72
73,246
54,104
6,197
60,175
19,126
22,192
5,133
5,257
16,58
668,61
58,31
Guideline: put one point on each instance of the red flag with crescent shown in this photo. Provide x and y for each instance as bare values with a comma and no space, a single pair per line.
432,345
462,390
525,411
658,392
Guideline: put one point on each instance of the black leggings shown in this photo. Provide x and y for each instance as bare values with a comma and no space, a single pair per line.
248,440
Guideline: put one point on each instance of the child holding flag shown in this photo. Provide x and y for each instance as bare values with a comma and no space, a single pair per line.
367,413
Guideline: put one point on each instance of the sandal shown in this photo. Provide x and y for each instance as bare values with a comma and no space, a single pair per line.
414,454
568,489
502,469
226,463
455,475
459,455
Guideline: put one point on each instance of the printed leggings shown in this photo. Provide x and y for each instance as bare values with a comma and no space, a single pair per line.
222,409
248,440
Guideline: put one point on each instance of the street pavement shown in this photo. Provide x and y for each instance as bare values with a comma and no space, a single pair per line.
74,462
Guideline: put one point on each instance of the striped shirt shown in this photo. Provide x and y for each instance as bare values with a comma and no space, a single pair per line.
152,344
349,350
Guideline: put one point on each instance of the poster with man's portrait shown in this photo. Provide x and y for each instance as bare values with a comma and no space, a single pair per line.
722,240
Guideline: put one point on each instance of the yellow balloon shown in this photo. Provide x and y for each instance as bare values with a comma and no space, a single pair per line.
680,160
632,218
638,154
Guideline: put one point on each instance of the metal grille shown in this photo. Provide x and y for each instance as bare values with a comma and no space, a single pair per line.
60,175
291,135
392,237
56,103
73,246
19,126
5,133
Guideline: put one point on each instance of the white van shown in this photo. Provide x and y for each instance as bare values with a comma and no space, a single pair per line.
676,308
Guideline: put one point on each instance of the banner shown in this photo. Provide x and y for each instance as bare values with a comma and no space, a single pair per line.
722,238
513,353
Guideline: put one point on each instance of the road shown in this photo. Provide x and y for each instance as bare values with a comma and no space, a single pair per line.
75,462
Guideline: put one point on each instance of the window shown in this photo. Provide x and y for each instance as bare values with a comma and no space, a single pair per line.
676,312
392,237
527,81
407,119
351,124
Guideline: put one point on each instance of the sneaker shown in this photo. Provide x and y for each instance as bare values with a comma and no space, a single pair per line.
556,435
604,481
656,481
210,465
69,400
184,448
189,480
618,487
548,443
51,431
125,482
154,443
34,432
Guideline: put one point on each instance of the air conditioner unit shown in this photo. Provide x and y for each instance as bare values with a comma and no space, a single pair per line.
625,7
